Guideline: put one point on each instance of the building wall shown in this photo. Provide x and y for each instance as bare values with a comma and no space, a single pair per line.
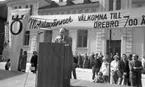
138,41
132,40
97,38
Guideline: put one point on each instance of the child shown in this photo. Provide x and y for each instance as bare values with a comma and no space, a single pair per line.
7,66
99,78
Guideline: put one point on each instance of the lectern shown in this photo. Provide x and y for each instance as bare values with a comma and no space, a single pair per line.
54,65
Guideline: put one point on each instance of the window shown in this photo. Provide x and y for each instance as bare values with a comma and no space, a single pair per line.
31,9
118,4
26,38
82,38
111,5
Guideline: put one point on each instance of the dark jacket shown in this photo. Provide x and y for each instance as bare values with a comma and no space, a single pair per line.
135,73
92,59
86,63
97,63
75,60
34,60
80,60
123,67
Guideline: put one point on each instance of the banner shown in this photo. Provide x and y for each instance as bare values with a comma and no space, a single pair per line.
17,24
111,19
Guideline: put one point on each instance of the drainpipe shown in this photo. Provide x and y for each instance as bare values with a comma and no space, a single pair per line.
110,38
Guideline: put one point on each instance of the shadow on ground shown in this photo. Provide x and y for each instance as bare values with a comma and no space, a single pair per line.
4,74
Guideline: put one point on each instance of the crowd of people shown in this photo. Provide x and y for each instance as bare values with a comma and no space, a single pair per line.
124,70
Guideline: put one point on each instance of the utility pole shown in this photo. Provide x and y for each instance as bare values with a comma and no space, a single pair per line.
110,38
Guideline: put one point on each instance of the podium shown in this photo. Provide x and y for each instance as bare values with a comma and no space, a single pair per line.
54,65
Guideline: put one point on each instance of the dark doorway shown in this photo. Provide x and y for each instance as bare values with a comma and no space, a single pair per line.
115,47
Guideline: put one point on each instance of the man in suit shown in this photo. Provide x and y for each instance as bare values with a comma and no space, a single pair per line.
135,67
63,37
96,65
124,70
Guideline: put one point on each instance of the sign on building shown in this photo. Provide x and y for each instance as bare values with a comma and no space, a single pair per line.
112,19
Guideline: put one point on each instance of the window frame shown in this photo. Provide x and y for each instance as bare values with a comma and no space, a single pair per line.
118,5
81,38
26,41
111,5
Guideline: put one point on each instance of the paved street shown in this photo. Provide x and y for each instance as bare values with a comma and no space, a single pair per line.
18,79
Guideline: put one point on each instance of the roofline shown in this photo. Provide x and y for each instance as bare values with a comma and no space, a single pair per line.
80,5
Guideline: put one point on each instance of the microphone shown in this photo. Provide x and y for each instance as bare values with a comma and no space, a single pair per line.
62,39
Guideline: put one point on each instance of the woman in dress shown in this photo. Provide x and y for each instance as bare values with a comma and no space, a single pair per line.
23,61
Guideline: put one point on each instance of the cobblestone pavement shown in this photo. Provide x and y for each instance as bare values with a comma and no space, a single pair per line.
17,79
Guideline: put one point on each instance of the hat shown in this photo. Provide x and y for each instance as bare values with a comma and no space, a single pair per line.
116,56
